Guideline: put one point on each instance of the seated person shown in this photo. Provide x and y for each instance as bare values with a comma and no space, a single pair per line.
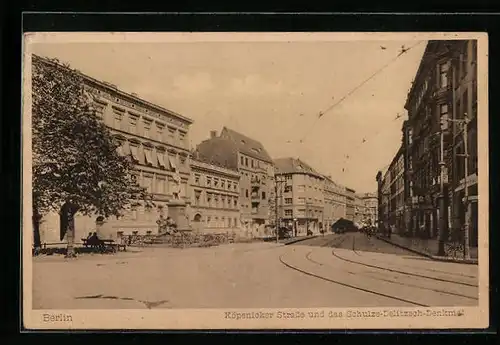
89,236
94,241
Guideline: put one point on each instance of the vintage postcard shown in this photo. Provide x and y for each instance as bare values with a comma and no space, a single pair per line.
255,181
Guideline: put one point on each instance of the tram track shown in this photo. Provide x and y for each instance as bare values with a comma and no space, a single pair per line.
337,242
402,272
337,282
308,257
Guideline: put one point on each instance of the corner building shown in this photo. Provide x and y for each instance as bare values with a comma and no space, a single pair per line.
445,87
302,200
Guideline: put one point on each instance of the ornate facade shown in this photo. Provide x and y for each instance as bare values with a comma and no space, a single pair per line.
255,167
444,89
214,198
157,140
350,204
370,202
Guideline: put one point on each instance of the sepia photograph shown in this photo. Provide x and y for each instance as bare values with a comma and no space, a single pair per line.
255,180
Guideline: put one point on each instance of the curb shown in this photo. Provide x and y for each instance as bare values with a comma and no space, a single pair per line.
300,239
432,257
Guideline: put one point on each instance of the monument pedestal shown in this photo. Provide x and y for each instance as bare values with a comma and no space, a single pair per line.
177,210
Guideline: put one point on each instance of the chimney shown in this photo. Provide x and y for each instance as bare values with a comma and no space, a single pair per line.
213,134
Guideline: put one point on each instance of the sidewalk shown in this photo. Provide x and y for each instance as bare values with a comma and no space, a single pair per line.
297,239
429,248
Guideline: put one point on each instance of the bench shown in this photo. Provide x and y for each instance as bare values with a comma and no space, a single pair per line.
108,244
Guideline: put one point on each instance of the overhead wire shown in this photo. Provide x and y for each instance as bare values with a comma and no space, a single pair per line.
352,91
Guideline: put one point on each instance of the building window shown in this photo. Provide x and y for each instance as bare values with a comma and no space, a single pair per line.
443,75
228,185
443,109
160,185
197,178
246,193
159,132
288,201
246,161
209,181
216,182
133,124
148,156
288,213
288,189
171,135
223,184
263,195
160,156
242,160
99,110
235,201
147,128
118,116
182,161
148,183
134,152
182,139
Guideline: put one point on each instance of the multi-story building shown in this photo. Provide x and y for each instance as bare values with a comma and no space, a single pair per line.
444,88
359,210
463,70
214,197
249,157
397,195
302,200
157,140
384,196
370,202
350,204
334,201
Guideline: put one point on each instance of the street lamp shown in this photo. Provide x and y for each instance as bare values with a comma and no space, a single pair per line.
464,124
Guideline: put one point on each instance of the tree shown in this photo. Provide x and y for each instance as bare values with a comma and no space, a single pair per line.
76,165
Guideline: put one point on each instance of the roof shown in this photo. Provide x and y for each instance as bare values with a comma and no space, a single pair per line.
246,145
218,151
291,165
115,89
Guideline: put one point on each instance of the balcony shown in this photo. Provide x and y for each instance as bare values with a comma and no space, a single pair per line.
255,182
255,197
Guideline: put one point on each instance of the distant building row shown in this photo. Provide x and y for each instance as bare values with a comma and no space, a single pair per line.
226,184
438,155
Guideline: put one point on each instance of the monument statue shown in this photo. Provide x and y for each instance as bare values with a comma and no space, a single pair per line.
176,185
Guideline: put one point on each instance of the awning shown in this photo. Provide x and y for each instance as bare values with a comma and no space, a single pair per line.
171,161
161,161
147,155
134,152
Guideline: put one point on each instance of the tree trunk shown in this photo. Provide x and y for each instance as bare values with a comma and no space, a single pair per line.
36,230
69,211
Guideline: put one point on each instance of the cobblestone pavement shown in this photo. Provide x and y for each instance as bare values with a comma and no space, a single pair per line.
320,272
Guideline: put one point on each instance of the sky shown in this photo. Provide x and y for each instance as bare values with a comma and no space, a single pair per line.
272,92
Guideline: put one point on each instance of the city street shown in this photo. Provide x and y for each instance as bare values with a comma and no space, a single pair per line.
347,270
